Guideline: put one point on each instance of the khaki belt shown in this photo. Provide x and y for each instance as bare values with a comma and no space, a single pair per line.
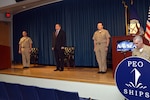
98,43
24,47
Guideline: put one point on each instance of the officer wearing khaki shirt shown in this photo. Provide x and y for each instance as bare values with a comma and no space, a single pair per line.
141,49
101,40
25,45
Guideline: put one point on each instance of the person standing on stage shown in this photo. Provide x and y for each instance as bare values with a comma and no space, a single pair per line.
101,40
58,44
141,49
25,46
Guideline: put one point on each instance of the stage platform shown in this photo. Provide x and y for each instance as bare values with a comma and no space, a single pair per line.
78,74
84,80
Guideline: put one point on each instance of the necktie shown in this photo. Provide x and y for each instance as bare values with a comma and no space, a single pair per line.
56,33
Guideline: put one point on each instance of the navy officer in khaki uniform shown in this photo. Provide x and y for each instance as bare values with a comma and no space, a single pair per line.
25,46
141,49
101,40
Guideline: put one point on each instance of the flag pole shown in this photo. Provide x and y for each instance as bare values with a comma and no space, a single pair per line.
126,17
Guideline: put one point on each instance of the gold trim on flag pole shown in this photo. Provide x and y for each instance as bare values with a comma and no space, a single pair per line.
126,19
126,16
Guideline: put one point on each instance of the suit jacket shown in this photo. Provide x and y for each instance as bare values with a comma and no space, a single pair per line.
59,40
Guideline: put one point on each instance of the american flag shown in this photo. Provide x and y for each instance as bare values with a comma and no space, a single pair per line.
147,33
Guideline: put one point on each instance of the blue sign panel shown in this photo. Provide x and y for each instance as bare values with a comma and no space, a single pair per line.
133,78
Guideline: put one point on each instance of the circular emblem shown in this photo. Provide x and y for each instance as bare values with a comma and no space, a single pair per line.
133,78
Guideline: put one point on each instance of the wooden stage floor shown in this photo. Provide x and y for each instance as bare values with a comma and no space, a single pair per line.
77,74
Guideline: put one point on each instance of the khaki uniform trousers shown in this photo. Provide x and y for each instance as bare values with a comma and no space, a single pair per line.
101,55
25,57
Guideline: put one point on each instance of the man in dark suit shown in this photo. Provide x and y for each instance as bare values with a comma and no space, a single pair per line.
58,44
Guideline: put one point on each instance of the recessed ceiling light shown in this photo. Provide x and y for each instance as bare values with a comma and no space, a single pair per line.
23,6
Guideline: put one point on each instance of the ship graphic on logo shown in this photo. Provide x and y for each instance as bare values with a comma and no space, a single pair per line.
135,84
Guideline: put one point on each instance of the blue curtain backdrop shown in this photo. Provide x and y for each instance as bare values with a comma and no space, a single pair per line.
79,20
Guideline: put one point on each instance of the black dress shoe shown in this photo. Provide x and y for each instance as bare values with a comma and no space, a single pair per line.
99,72
25,67
103,72
56,69
61,70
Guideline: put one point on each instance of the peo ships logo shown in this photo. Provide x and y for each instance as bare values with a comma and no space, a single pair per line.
133,78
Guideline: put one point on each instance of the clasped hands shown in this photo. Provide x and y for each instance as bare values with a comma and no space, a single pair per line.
61,48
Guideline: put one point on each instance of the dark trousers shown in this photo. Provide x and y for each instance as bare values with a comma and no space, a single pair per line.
59,57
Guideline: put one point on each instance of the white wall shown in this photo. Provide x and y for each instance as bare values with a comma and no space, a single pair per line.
6,2
95,91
